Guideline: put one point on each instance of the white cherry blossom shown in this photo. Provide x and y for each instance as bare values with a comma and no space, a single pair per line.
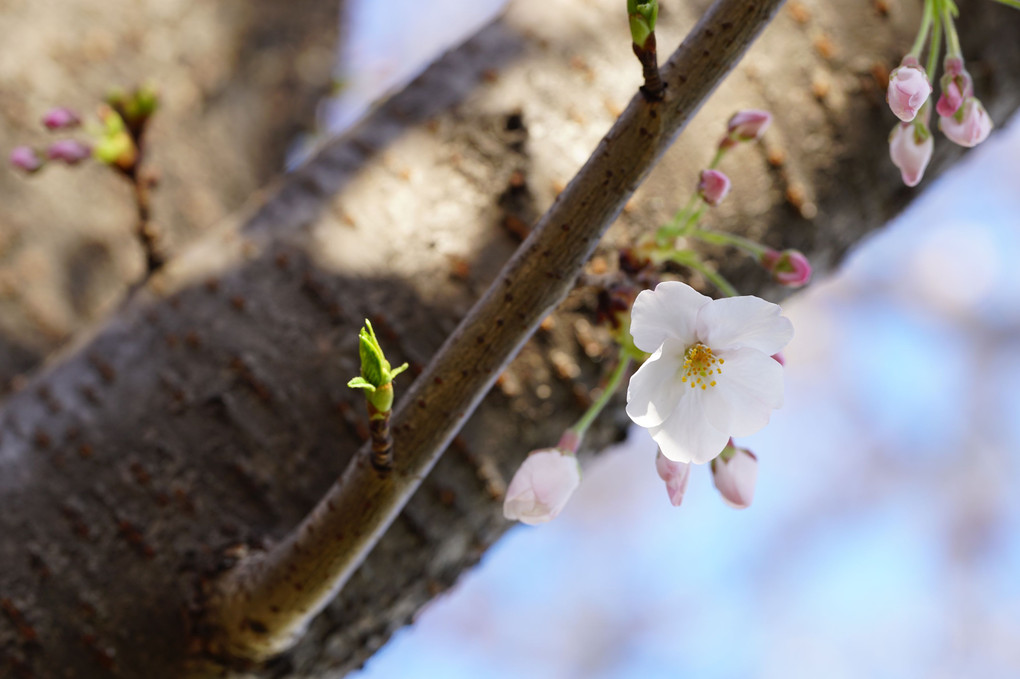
711,374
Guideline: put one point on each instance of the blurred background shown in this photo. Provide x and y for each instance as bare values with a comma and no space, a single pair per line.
884,538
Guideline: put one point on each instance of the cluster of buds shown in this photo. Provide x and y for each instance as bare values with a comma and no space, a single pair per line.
962,117
67,151
734,473
115,141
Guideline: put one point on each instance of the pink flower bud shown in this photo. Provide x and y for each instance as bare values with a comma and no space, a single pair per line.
713,186
61,119
789,267
735,473
969,126
541,487
956,85
910,147
908,89
746,126
675,474
70,151
26,159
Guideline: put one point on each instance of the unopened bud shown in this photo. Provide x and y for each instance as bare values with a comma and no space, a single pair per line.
969,126
70,151
746,126
908,89
643,16
713,186
789,267
376,373
910,148
541,486
957,86
60,118
735,473
675,474
25,159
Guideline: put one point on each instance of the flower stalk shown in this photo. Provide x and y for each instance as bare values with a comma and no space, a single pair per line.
612,384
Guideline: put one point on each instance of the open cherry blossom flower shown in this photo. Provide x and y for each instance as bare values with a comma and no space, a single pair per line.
711,374
542,486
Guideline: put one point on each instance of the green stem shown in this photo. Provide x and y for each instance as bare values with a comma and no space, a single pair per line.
952,39
722,238
922,35
936,47
717,158
676,226
692,261
693,220
623,362
1015,4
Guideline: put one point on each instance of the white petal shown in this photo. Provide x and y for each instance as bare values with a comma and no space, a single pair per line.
671,310
687,435
735,322
749,388
655,389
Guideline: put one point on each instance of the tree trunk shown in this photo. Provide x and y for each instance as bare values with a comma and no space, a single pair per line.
208,414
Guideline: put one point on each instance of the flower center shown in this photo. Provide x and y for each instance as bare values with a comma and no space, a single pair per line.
700,366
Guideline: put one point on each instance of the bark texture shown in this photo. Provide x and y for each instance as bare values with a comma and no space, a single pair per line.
208,415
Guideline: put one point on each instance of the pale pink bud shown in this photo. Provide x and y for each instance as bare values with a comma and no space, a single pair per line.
675,474
956,85
60,118
910,147
26,159
969,126
789,267
908,89
748,125
713,186
735,473
70,151
541,487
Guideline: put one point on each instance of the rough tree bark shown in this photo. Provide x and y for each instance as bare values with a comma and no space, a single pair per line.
211,412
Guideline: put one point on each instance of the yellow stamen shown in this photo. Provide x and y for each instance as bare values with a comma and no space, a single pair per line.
700,363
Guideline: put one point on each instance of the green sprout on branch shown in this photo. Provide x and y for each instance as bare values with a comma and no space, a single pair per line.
376,380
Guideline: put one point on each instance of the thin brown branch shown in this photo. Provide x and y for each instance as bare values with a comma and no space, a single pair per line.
382,440
265,603
653,88
145,230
